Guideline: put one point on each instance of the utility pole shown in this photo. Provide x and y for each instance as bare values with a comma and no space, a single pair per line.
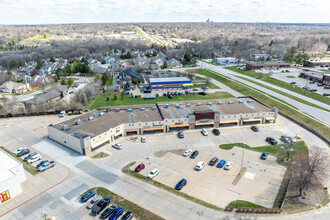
240,172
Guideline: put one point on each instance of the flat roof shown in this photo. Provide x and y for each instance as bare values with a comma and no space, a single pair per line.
267,63
7,163
169,79
320,61
114,116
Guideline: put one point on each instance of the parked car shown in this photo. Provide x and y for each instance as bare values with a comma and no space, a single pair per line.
93,202
23,152
108,211
216,131
116,214
326,94
181,184
229,165
41,163
271,140
204,132
87,196
195,89
287,71
221,163
254,128
153,173
320,84
314,90
187,153
143,139
46,166
194,154
264,156
285,139
140,167
29,156
327,86
199,166
34,159
127,216
180,134
62,114
100,206
19,150
202,93
213,161
117,146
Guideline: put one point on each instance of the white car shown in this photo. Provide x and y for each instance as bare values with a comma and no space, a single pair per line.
153,173
199,166
34,159
187,153
204,132
117,146
46,166
19,150
143,139
229,165
62,114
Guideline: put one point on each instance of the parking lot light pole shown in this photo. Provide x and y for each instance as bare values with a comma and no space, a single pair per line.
240,172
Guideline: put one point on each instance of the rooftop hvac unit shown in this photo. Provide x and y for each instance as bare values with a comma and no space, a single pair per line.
177,106
187,105
101,113
142,109
117,110
90,118
249,101
199,104
240,101
65,128
166,106
129,110
230,102
220,103
210,103
78,122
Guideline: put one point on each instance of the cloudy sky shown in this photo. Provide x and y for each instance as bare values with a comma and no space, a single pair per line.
103,11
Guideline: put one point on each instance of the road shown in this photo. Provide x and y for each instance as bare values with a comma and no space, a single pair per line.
61,200
321,115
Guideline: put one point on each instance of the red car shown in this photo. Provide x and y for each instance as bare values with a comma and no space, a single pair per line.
139,168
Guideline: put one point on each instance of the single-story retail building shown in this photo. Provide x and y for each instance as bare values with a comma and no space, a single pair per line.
12,175
319,62
251,65
169,83
92,130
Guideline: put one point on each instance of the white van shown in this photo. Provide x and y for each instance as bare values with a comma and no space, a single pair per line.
199,166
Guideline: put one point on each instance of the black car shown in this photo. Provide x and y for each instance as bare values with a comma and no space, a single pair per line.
213,161
170,96
202,93
128,216
271,140
180,134
100,206
29,156
326,94
254,128
23,152
41,163
264,156
216,132
194,154
107,212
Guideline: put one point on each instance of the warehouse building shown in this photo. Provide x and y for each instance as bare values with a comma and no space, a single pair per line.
12,175
93,130
169,83
250,65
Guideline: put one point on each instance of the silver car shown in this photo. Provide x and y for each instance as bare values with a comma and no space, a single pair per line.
92,203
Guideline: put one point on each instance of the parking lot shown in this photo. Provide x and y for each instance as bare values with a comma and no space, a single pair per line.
259,184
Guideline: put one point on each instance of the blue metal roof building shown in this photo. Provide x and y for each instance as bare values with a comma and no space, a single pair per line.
169,83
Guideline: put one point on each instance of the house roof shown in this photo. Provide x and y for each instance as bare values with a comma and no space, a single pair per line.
12,85
129,72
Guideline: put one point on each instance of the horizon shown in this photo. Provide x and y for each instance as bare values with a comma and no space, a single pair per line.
38,12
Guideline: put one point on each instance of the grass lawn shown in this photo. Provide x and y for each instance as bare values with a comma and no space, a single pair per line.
290,77
269,79
170,189
283,108
31,169
101,99
275,150
138,212
210,85
109,82
243,204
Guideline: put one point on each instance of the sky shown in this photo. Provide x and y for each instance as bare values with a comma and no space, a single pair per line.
114,11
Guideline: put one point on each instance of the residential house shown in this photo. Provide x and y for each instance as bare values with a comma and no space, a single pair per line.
173,63
131,72
260,57
14,87
51,95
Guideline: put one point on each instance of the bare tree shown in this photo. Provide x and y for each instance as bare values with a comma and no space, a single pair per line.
307,169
